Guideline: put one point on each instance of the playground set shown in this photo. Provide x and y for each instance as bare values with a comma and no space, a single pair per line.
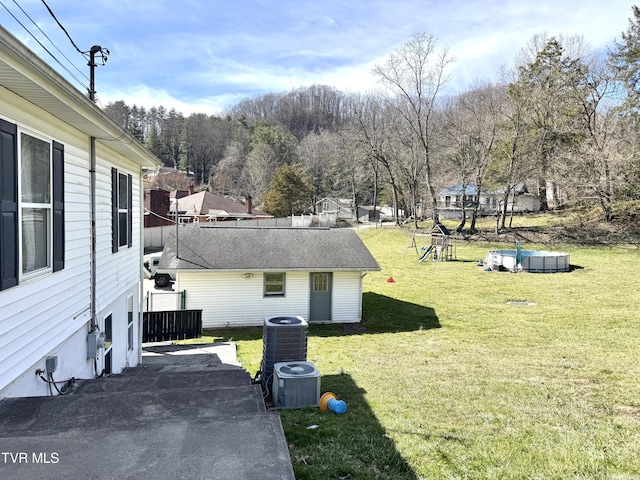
442,245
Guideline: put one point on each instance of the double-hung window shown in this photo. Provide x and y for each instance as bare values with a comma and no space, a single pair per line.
274,284
35,202
31,205
121,210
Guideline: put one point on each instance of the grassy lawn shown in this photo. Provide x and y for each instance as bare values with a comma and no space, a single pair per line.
446,380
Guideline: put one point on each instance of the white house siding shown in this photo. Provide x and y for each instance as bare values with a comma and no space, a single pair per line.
229,299
121,356
346,302
524,203
118,274
49,315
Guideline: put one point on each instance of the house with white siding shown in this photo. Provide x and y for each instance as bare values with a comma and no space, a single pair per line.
453,201
70,230
342,208
238,276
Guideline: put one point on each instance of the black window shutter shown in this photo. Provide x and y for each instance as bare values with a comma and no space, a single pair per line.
8,205
129,211
114,210
58,206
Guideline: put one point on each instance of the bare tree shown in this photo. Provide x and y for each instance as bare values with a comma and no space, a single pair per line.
226,178
317,152
600,158
457,152
347,175
511,165
410,170
373,128
261,164
415,74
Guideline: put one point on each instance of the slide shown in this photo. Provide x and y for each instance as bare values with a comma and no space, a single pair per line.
426,253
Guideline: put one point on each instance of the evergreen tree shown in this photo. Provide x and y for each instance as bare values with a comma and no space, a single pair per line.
289,192
625,59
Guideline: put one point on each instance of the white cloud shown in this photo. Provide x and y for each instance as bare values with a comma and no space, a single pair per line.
143,95
198,57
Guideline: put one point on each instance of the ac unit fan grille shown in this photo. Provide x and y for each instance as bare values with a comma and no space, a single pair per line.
295,385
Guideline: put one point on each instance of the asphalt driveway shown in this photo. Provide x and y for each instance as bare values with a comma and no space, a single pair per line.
185,413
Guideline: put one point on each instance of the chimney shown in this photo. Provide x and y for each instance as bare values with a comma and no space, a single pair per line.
249,204
192,189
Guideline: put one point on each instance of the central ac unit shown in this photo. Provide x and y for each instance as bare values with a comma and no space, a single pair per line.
295,385
284,339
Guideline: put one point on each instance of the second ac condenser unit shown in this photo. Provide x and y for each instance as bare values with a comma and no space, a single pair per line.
295,385
284,339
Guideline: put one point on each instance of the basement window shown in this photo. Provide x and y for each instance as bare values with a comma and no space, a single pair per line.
274,284
130,323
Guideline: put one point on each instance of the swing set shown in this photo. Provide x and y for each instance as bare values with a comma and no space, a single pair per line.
442,247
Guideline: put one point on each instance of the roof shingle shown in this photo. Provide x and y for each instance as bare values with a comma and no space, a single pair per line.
225,248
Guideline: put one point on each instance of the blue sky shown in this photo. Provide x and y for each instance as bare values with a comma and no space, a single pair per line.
204,56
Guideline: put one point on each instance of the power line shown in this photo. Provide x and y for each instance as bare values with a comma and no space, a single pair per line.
95,50
103,51
43,47
51,41
63,29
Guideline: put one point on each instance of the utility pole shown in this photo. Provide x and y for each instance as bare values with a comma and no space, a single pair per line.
92,67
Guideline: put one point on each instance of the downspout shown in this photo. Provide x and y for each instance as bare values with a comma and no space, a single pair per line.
92,190
92,196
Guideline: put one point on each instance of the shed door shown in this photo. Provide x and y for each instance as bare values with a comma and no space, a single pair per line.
320,307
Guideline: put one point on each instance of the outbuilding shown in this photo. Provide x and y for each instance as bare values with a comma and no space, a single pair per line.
238,276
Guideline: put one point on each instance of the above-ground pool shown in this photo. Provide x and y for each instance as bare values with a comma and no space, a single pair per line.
530,260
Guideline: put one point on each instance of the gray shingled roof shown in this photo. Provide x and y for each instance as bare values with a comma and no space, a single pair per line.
224,248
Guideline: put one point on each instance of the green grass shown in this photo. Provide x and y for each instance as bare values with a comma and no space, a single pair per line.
446,380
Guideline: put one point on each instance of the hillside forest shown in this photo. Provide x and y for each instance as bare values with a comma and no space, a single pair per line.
561,118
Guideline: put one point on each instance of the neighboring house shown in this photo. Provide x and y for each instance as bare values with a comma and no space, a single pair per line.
387,214
342,208
520,199
70,255
452,199
237,276
163,176
156,208
210,207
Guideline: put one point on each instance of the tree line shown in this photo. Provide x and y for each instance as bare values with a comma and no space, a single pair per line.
563,118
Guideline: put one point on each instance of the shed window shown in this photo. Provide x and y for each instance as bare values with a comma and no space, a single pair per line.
274,284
